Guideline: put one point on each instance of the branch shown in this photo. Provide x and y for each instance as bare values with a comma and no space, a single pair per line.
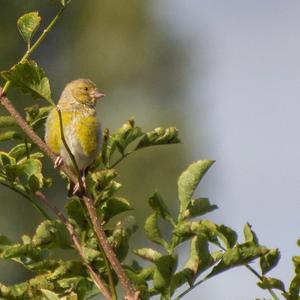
77,244
130,292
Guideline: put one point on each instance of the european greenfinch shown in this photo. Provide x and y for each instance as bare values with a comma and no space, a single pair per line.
81,128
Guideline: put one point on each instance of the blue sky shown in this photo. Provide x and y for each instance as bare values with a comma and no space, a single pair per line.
242,79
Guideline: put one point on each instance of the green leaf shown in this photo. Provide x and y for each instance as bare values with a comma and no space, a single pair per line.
200,258
163,272
227,235
250,235
180,278
36,116
199,207
115,206
126,135
239,255
7,122
50,295
271,283
157,203
6,160
30,78
269,260
30,175
75,212
28,24
152,231
159,136
294,288
52,234
20,151
10,135
148,254
188,182
91,254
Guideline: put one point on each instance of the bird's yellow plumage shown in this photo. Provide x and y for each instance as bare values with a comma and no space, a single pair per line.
81,127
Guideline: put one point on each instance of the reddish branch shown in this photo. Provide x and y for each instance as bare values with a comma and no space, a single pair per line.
130,292
106,293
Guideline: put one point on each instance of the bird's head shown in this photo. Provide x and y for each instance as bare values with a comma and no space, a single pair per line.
83,91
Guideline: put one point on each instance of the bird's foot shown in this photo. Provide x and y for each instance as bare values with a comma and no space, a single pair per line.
136,296
77,185
58,162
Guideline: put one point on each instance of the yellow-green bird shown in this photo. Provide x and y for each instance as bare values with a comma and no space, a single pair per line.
82,129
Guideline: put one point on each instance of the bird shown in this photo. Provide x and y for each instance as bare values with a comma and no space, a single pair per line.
81,127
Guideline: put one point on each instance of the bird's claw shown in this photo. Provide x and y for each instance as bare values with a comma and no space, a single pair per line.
58,162
136,296
77,185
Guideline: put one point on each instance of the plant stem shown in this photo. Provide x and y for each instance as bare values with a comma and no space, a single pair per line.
120,159
106,262
36,44
191,288
20,192
74,163
261,278
102,287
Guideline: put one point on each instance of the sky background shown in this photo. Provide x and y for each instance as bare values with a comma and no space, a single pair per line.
243,80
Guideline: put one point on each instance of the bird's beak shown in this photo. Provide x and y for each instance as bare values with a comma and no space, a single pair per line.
96,94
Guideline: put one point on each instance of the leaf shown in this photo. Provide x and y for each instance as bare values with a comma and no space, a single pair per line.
126,135
6,160
120,236
163,272
239,255
75,212
180,278
7,122
271,283
20,151
152,231
28,24
228,235
52,234
250,235
30,78
148,254
269,260
115,206
159,136
36,116
199,207
188,182
50,295
10,135
294,288
30,175
157,203
200,258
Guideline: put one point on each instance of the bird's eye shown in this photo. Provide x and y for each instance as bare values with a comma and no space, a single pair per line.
86,88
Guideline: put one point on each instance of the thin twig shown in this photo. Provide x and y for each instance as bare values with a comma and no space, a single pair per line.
261,279
102,287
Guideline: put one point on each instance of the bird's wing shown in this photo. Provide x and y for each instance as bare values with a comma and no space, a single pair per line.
87,131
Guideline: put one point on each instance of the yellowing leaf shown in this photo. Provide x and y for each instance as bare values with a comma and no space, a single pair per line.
28,24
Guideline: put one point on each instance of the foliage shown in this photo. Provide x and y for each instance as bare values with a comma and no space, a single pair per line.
213,248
